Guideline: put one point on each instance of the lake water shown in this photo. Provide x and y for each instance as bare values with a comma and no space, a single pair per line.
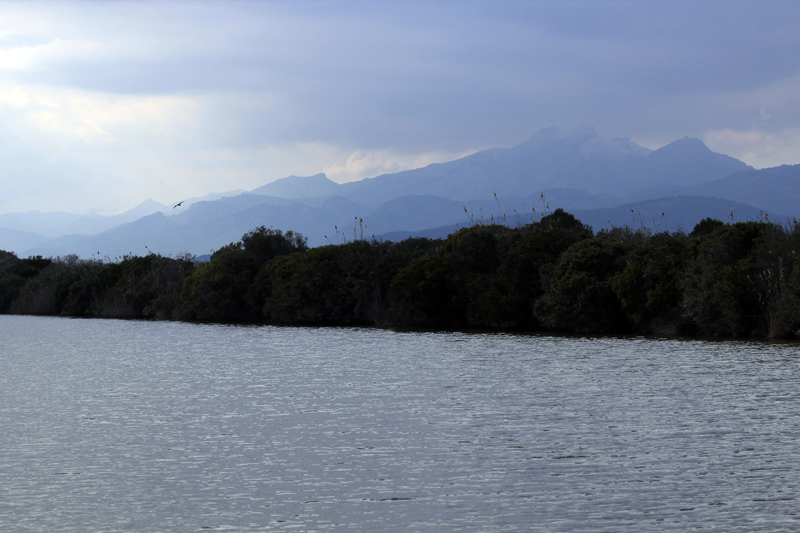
110,425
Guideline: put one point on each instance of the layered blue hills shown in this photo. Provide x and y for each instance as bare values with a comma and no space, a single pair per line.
577,170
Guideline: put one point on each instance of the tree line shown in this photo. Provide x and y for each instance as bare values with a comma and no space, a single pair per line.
722,279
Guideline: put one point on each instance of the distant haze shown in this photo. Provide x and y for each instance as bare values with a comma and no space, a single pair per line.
604,182
104,105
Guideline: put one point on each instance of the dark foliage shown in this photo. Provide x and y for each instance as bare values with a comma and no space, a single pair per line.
136,287
14,274
579,296
345,284
483,276
722,279
218,289
263,244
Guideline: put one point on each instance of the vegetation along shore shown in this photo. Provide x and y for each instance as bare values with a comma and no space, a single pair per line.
722,279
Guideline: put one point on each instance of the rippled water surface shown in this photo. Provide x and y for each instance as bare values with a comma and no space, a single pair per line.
157,426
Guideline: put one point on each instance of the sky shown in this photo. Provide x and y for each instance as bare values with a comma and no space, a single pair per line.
105,104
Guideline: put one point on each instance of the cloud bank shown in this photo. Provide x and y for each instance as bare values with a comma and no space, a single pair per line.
104,104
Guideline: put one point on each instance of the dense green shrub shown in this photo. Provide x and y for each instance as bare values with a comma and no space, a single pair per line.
334,284
648,286
579,296
507,302
146,286
37,296
555,274
422,294
14,274
263,243
484,276
217,290
719,294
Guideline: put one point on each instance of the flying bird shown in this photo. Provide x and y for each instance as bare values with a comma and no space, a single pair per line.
178,204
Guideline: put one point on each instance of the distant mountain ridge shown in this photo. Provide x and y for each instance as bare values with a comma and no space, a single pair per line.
550,159
58,224
14,239
554,159
772,190
684,213
296,187
576,169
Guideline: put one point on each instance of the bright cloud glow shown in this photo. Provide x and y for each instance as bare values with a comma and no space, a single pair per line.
64,115
360,165
757,148
31,57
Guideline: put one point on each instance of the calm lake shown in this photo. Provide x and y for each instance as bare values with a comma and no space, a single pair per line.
112,425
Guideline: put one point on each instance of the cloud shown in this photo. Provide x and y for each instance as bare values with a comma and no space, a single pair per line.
758,148
360,165
103,102
40,56
66,146
53,117
764,125
383,75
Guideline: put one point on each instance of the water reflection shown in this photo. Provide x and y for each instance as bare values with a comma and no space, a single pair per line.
152,426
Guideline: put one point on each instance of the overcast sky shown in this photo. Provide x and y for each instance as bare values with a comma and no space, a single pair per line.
105,104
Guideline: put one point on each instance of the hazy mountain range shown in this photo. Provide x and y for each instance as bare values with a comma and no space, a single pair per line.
604,182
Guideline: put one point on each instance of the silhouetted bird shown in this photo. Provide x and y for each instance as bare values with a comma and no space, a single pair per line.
179,203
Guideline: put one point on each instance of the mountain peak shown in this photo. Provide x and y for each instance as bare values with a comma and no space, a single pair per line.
295,187
583,141
147,207
689,161
547,136
686,146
